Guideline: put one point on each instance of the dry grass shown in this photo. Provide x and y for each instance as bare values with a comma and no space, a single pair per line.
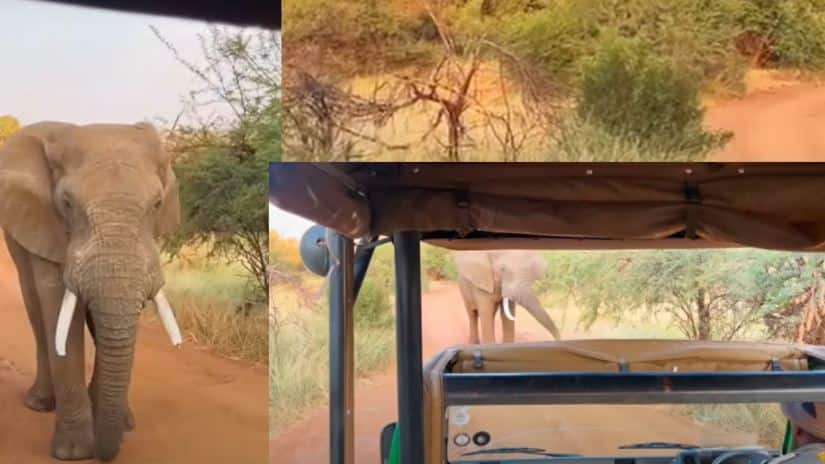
764,422
207,297
299,353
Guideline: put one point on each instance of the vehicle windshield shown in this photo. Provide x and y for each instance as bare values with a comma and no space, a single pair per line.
610,430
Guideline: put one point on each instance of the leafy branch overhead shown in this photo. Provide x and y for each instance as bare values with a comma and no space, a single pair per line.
223,141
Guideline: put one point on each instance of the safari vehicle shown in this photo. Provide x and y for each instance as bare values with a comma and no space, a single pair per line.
524,402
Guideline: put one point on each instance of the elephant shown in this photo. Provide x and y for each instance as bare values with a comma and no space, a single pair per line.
490,280
82,207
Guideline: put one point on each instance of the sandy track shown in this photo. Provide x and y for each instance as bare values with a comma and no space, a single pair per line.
190,405
782,123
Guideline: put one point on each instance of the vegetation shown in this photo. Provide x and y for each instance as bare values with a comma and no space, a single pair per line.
476,76
708,295
624,84
8,126
764,421
299,352
208,298
223,150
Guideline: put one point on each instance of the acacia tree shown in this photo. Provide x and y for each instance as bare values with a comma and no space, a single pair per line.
223,140
708,295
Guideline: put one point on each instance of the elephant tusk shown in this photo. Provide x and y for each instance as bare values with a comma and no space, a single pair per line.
167,318
505,303
64,321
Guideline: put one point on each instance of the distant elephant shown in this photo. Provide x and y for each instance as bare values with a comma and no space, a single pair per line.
489,280
81,207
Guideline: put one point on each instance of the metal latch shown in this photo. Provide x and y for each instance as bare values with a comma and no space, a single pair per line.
478,360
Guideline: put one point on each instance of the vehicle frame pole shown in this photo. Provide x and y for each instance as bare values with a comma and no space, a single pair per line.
341,348
409,346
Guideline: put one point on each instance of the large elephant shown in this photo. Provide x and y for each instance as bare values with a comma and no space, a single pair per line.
81,208
489,280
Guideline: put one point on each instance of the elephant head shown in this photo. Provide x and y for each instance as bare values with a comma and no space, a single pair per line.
509,277
94,199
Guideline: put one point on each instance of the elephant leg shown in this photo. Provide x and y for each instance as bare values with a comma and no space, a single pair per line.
473,318
486,314
40,396
73,434
130,417
508,327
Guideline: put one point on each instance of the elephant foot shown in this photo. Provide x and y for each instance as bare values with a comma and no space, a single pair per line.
39,400
73,443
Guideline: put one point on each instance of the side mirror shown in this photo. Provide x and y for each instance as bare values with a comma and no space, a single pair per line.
314,252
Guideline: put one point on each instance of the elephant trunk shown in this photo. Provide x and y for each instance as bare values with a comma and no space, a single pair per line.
115,332
526,297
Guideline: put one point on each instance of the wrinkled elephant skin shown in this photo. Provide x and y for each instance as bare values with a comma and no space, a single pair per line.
82,208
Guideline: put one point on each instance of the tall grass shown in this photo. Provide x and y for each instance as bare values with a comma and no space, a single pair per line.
299,345
209,298
764,421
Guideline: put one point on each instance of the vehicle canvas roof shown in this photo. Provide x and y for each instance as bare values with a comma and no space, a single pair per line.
266,14
564,205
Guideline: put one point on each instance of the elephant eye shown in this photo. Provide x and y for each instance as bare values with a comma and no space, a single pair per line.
158,204
67,203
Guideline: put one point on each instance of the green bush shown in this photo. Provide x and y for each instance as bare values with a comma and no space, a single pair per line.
579,140
551,40
361,35
438,263
372,307
636,95
794,30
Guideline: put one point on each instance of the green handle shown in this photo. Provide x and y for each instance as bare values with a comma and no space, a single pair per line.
395,457
787,444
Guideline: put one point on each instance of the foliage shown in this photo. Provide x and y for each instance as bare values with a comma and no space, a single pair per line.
438,263
283,252
704,292
766,421
788,33
373,308
554,39
299,354
209,302
350,37
8,126
221,208
580,140
223,149
638,96
707,295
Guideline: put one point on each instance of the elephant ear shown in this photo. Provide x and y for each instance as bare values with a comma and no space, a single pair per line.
27,211
168,218
476,267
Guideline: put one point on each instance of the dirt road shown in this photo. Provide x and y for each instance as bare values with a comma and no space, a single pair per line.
782,120
444,324
190,406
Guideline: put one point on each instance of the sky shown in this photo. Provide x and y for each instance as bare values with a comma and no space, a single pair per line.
85,65
81,65
286,224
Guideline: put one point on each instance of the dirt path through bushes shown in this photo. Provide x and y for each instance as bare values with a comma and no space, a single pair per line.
189,405
783,122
